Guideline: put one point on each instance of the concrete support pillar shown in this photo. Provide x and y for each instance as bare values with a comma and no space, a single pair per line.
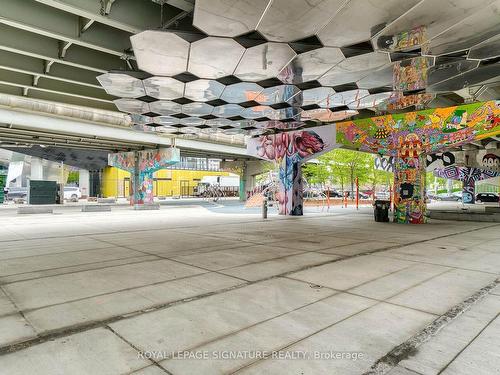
36,168
449,186
142,184
290,194
409,189
243,182
84,182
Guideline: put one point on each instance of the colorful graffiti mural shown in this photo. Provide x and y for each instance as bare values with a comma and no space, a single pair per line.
429,131
142,165
469,177
410,137
400,101
411,74
288,150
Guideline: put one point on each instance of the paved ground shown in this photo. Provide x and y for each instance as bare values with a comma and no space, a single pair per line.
214,289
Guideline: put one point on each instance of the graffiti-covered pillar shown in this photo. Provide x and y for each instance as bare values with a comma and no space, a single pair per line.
142,183
142,165
290,188
469,191
409,189
289,150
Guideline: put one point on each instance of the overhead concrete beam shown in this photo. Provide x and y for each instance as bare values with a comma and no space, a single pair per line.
41,47
215,148
128,15
38,67
59,87
67,126
29,15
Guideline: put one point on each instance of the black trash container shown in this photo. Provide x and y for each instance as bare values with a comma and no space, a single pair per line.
381,210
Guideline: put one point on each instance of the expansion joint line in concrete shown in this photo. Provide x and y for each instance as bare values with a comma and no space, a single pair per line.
137,349
408,348
470,342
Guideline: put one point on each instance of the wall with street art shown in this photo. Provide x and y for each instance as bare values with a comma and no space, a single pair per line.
288,150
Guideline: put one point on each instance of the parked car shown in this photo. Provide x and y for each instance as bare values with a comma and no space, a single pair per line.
486,197
361,195
432,196
20,193
72,193
448,197
333,193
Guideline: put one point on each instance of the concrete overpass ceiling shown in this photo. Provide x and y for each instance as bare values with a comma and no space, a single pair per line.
312,64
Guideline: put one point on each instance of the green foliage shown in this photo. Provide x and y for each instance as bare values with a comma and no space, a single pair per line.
342,166
266,168
73,177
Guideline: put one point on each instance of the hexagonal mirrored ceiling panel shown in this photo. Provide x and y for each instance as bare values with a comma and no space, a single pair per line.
228,110
214,57
203,90
283,94
264,61
228,17
311,65
289,20
354,68
197,109
121,85
132,106
163,88
357,19
241,92
165,107
160,53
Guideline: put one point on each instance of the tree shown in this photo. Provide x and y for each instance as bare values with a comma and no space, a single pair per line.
316,172
73,177
377,176
340,166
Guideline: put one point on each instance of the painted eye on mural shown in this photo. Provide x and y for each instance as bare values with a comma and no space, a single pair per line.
448,158
431,158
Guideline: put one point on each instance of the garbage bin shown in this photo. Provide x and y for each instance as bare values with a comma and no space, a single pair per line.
381,210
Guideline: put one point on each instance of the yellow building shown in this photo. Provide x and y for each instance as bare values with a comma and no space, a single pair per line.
167,182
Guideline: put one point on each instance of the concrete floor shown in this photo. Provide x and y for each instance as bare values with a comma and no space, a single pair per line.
178,291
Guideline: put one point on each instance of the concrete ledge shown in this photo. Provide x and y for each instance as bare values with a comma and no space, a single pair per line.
464,216
106,200
96,208
492,209
30,210
140,207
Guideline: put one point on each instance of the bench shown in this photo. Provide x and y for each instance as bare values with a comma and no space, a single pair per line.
106,200
30,210
96,208
141,207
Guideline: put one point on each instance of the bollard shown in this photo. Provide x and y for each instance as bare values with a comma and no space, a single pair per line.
264,208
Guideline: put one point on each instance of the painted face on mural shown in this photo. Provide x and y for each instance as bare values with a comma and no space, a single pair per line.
491,161
411,147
